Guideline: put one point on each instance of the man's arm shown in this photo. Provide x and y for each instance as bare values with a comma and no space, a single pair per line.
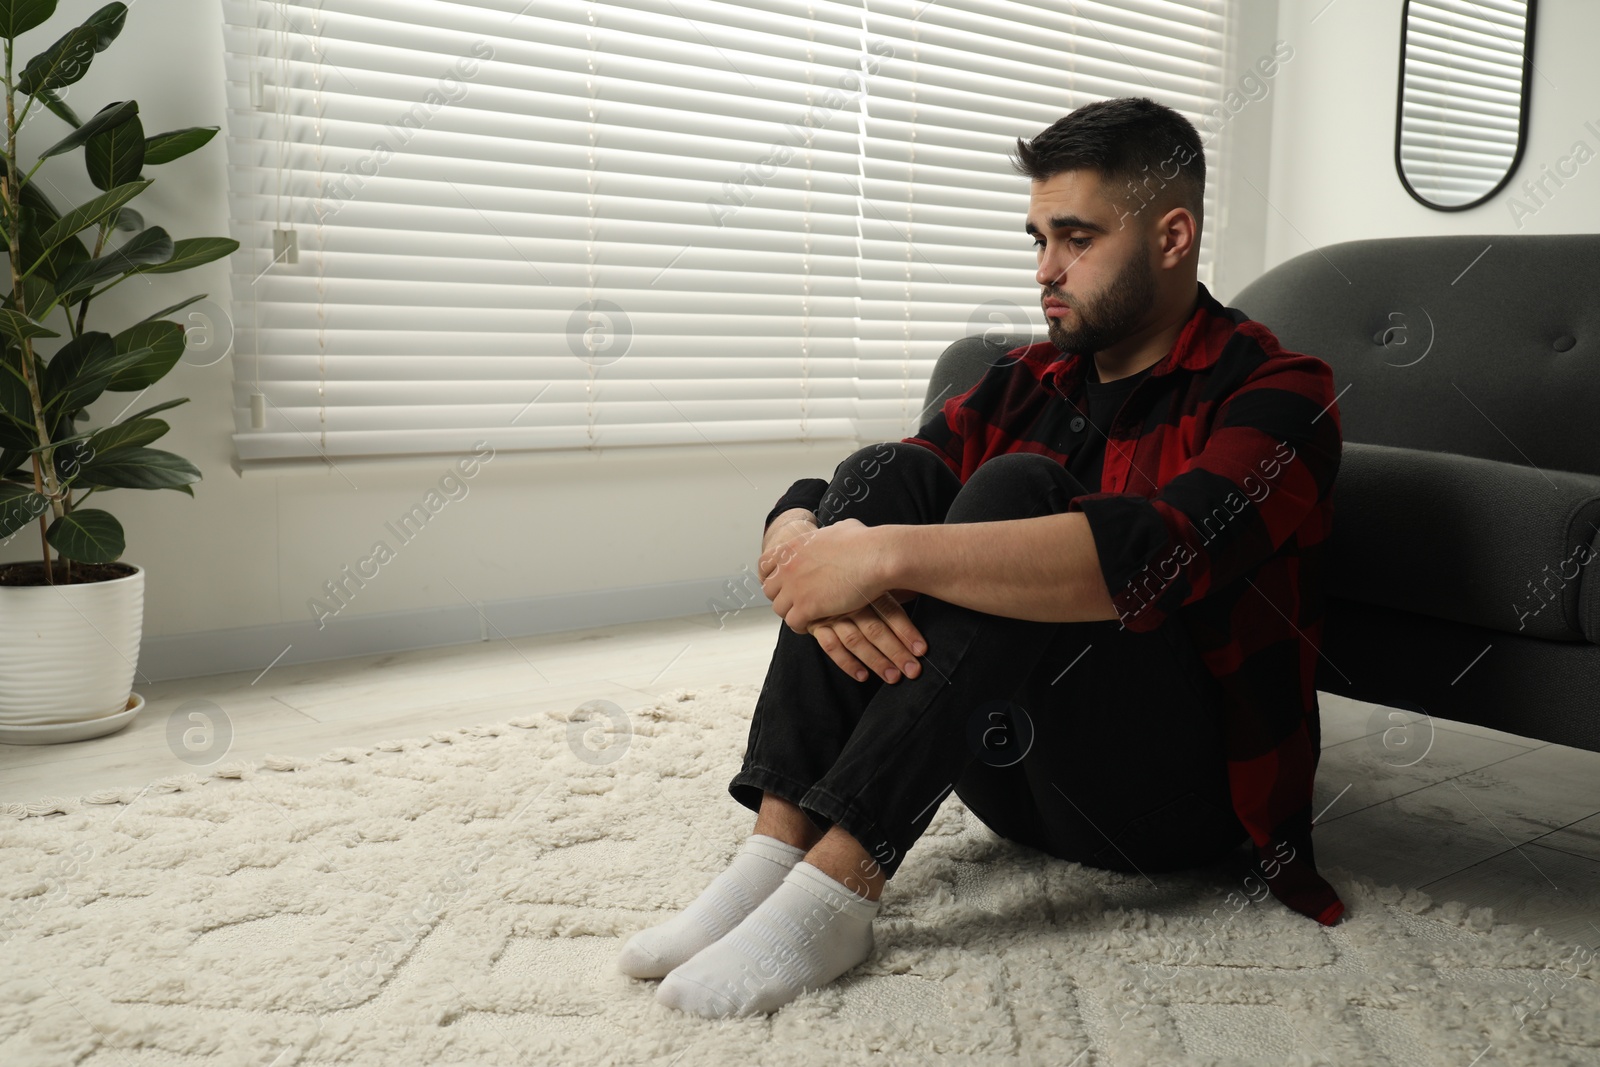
1044,569
1270,460
1262,477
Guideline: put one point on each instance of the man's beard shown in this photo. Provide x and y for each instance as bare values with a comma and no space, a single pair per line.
1112,315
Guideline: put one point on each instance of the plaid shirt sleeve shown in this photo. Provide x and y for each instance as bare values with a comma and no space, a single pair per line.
1267,462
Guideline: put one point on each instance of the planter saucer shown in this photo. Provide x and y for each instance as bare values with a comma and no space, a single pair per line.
51,733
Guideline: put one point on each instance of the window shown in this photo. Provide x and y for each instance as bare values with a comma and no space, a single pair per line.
646,223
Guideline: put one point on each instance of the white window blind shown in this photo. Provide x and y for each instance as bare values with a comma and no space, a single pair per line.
1461,107
562,225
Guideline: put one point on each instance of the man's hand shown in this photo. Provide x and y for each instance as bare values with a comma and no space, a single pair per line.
878,636
786,526
825,572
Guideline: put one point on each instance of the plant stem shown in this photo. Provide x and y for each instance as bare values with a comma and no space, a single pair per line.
49,574
44,544
83,308
13,198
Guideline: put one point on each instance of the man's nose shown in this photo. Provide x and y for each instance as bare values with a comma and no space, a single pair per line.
1052,270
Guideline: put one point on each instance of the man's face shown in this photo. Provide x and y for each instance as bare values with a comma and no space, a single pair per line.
1091,259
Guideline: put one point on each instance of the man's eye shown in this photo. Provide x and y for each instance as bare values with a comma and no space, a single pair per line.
1079,243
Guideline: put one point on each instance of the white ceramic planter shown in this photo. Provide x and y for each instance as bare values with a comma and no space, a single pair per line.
67,658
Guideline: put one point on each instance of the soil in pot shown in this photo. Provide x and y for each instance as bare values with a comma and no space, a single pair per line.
31,572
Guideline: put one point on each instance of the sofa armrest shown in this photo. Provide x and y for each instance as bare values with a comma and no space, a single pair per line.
1471,540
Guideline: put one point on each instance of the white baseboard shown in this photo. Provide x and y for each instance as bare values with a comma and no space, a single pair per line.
255,647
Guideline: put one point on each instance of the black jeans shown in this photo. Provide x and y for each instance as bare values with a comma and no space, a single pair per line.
1086,740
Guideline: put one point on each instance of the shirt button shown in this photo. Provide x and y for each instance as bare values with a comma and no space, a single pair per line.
1077,423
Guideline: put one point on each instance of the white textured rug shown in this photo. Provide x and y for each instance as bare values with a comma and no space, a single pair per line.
459,899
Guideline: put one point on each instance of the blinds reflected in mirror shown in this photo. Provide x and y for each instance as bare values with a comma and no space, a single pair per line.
1463,98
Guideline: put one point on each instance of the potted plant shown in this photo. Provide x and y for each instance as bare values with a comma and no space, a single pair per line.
70,622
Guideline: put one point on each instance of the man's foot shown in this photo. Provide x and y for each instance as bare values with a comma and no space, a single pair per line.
808,932
757,869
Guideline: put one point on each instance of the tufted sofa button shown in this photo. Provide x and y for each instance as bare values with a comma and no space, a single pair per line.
1564,342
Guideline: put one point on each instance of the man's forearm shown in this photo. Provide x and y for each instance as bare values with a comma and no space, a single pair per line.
1044,569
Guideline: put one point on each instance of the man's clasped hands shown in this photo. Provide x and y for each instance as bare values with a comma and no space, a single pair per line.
831,582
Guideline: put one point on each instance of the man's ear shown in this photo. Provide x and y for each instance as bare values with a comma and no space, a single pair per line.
1177,235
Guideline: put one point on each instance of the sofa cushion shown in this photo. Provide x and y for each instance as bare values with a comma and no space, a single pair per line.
1471,540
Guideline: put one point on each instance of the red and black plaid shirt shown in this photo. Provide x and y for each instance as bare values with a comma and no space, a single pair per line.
1215,508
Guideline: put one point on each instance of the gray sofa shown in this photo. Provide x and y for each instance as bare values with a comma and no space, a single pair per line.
1467,506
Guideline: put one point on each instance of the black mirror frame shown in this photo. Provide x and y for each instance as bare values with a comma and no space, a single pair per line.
1522,117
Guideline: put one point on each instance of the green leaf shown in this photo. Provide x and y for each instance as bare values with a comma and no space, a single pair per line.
72,454
129,219
17,17
108,22
38,290
28,228
127,434
67,256
18,326
87,535
68,455
17,431
62,63
14,438
174,144
57,443
151,246
76,375
32,196
19,505
11,459
164,312
164,405
107,118
16,427
139,468
116,155
192,252
15,403
162,344
58,106
92,212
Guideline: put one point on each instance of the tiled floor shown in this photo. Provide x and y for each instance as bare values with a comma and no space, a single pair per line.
1458,811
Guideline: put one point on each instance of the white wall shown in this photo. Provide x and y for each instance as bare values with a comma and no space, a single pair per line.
1332,172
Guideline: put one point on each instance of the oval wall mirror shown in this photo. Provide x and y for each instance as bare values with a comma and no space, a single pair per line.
1463,100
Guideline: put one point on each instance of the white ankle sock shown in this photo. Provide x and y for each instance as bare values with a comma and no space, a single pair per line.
808,932
757,869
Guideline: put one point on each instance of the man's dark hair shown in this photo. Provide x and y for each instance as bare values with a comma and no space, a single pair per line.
1145,153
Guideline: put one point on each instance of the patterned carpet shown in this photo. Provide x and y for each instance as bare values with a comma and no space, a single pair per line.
460,898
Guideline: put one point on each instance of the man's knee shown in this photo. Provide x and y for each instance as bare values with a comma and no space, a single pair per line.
1013,485
865,469
870,459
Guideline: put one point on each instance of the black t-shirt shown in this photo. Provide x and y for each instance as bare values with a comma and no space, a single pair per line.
1084,445
1100,401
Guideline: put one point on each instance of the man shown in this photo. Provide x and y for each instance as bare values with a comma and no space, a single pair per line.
1115,541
